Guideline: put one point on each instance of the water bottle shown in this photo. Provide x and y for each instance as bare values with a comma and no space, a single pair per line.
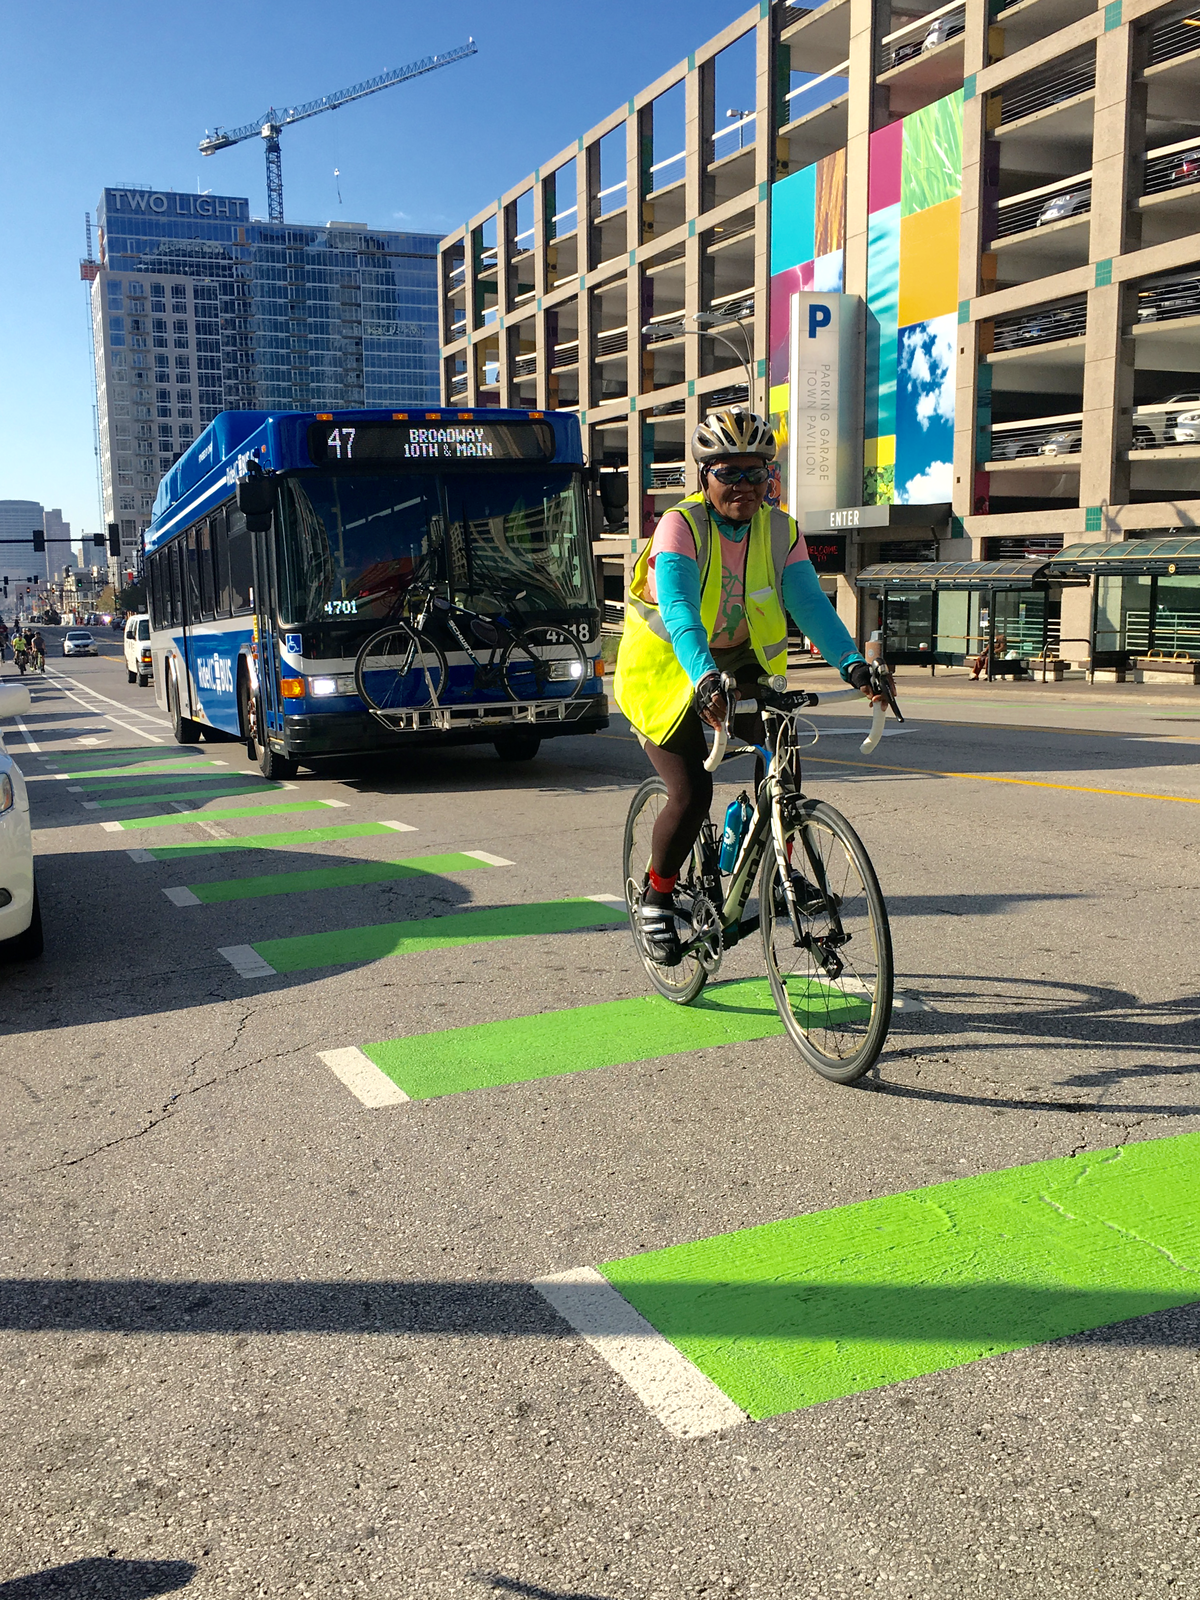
737,815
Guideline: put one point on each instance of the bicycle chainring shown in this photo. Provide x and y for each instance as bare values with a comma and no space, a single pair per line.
708,940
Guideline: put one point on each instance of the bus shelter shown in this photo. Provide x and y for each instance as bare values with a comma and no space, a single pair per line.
943,613
1145,600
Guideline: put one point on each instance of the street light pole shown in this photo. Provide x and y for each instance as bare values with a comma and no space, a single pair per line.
705,321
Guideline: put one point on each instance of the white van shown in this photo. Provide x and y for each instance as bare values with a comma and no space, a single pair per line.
138,662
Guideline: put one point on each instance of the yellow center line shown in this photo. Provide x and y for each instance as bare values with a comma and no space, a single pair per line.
1025,783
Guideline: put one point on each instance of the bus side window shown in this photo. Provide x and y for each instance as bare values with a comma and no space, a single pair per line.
220,544
175,553
191,563
159,601
204,563
241,565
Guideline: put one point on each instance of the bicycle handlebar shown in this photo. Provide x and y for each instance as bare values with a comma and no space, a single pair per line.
881,686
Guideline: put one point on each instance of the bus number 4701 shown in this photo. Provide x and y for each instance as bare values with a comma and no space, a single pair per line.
342,437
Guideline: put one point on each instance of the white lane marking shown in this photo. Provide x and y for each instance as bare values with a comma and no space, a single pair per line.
92,711
27,736
88,739
908,1002
182,897
72,788
142,857
90,805
363,1078
399,827
86,688
488,860
687,1403
606,899
246,961
112,827
343,804
214,829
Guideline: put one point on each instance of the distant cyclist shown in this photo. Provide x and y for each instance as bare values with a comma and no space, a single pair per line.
37,649
20,652
709,597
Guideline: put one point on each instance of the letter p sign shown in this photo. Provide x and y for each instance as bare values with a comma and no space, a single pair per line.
818,317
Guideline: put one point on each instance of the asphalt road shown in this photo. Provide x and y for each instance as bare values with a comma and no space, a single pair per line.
258,1338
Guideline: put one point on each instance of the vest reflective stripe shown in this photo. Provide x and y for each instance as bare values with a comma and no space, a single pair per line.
650,686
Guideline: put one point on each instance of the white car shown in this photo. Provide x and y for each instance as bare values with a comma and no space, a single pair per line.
1159,423
138,662
20,914
78,642
1187,428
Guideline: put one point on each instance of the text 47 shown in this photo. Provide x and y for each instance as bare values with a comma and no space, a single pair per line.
342,438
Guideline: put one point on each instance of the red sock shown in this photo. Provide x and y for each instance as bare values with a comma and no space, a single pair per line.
663,885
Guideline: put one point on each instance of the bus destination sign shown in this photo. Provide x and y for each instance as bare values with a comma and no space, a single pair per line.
433,443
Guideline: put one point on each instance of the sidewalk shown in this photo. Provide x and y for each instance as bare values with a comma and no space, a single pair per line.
913,682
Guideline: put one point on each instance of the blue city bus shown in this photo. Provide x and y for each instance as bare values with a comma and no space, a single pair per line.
282,541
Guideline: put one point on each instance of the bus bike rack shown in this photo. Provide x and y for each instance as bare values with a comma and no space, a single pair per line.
488,714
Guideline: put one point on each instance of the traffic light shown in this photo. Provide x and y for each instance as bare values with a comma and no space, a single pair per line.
114,538
98,540
39,541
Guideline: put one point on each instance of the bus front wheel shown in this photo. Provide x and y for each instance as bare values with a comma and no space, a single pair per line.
520,745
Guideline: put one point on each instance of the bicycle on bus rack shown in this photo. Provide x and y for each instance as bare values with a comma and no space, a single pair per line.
821,913
401,668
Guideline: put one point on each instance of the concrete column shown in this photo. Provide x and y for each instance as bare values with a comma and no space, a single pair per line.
472,396
764,175
636,382
697,114
973,219
1108,355
584,162
539,286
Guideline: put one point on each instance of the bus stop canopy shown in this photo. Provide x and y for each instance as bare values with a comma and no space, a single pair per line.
973,575
1130,556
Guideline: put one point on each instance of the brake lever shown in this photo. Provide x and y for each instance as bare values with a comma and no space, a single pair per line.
717,753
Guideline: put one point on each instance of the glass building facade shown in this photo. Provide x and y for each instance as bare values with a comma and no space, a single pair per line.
198,307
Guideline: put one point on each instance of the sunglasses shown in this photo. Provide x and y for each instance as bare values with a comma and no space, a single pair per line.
731,475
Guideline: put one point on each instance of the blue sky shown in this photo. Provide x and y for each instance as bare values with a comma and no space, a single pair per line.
122,92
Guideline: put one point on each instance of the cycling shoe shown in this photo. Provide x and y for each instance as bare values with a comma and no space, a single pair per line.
658,933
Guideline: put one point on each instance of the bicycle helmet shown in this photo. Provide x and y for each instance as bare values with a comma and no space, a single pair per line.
734,432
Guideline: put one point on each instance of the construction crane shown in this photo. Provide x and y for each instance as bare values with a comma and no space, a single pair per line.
269,127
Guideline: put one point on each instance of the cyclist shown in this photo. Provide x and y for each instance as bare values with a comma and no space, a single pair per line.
37,648
708,597
20,652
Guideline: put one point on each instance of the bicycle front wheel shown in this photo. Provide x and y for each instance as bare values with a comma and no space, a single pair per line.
399,669
834,988
543,663
684,982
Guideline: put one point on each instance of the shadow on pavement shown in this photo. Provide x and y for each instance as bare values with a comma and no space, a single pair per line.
499,1584
1011,1313
99,1578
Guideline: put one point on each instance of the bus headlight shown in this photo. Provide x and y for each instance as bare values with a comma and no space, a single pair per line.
561,671
322,688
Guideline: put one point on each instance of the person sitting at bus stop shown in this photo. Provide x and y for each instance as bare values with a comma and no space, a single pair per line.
981,662
708,597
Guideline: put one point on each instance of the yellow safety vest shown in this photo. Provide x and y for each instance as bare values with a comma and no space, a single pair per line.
650,686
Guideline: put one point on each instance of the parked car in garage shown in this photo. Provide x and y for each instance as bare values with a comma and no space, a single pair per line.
1157,424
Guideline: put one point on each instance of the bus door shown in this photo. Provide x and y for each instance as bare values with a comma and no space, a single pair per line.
266,631
190,575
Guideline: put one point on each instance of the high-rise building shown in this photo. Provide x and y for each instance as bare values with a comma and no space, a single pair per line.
197,308
57,534
19,561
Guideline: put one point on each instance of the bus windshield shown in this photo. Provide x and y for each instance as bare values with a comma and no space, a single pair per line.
353,544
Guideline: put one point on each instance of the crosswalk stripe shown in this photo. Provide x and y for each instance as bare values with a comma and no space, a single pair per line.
363,1078
281,840
246,961
275,808
688,1404
486,1055
353,874
353,945
813,1308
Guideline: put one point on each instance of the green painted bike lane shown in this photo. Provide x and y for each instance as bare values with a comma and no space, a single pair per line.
343,877
216,793
352,946
224,814
270,841
793,1313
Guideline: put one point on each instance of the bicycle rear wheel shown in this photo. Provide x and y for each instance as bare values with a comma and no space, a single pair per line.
834,989
399,669
684,982
543,662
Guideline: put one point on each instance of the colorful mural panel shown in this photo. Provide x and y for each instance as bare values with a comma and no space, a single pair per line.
914,190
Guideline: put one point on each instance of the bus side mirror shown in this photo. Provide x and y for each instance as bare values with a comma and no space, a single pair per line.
256,501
